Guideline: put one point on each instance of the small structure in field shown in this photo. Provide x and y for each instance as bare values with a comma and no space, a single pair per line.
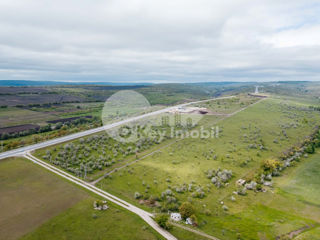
175,217
100,205
268,184
189,221
189,110
240,182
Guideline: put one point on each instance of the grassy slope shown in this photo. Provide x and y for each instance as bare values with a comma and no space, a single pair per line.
83,222
33,197
12,116
304,181
30,196
185,162
182,234
225,106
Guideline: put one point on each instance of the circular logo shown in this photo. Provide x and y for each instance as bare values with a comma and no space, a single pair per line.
127,116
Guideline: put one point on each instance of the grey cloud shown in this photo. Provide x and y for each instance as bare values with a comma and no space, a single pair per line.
169,41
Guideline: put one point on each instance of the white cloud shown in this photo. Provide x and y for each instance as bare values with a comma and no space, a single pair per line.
177,40
305,36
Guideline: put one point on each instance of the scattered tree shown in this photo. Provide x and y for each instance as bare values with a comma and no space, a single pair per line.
186,210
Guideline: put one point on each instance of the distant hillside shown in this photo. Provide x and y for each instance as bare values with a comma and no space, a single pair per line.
15,83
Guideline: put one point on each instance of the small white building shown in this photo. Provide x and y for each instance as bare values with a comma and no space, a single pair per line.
240,182
189,221
175,217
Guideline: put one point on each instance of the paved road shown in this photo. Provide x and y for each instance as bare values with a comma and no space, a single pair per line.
22,150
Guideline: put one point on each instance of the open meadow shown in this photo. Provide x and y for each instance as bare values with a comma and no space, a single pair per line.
30,196
36,204
183,172
303,181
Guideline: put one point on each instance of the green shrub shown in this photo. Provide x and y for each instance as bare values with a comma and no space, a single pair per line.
137,195
270,164
259,187
310,149
186,210
194,220
162,220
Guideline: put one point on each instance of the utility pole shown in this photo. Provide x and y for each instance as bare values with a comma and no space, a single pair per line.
85,171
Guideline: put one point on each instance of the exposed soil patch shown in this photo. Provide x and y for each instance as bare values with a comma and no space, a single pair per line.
295,233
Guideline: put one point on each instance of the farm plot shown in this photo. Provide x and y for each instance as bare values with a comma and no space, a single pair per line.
36,204
22,90
14,100
19,128
30,196
69,109
41,114
204,172
17,116
83,222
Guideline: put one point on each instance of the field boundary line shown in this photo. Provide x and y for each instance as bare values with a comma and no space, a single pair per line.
195,231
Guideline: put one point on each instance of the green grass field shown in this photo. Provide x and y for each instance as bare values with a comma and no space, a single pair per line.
83,222
12,116
304,181
276,125
37,204
15,116
229,105
30,196
261,131
182,234
313,234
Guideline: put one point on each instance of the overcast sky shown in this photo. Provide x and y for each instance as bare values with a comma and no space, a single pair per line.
160,41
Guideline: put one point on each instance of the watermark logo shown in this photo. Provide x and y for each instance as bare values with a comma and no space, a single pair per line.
128,116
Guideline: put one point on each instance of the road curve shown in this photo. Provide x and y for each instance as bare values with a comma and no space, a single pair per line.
22,150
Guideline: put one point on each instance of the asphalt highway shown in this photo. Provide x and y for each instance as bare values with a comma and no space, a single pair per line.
23,150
